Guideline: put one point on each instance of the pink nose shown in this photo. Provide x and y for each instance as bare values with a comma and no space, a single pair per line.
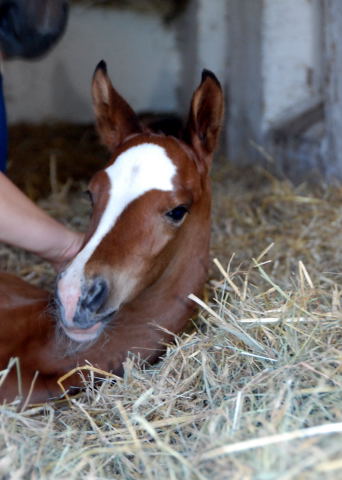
89,308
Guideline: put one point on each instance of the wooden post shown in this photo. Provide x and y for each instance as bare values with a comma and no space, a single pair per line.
245,98
332,88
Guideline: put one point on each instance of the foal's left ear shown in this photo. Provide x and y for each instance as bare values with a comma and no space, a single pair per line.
115,119
205,117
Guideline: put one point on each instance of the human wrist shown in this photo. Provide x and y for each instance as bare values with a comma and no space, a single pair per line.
64,248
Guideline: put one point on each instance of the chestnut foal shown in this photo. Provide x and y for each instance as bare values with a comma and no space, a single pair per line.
146,250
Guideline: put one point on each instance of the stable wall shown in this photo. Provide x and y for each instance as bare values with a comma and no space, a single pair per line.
142,57
266,54
292,56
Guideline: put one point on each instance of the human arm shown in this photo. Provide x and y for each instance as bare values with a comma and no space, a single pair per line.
25,225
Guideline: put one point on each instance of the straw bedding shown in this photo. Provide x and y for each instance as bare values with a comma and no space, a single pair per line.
252,391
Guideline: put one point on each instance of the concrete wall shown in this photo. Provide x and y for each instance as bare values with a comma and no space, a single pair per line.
266,53
156,66
274,71
142,58
203,43
291,52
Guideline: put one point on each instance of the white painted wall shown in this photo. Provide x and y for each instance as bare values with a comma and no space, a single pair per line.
203,43
156,67
142,59
213,37
291,56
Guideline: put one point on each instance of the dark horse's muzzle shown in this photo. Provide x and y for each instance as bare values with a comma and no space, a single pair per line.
29,28
3,130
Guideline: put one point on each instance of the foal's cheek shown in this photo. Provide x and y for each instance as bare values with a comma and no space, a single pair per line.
157,253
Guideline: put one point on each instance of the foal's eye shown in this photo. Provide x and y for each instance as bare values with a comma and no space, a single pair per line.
177,214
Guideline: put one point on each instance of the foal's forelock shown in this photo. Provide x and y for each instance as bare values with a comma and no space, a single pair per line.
136,171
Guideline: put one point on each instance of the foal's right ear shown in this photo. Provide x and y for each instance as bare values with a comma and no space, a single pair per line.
115,119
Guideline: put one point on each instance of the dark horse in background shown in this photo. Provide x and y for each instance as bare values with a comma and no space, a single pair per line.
28,29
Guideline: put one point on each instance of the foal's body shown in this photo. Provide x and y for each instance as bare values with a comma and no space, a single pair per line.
127,290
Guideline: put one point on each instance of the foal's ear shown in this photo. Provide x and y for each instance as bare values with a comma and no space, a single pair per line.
115,119
205,116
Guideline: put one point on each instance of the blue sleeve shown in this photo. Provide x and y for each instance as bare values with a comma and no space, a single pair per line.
3,130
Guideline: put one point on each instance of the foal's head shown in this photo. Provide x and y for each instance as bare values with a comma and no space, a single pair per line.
147,204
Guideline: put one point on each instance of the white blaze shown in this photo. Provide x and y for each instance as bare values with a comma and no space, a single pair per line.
136,171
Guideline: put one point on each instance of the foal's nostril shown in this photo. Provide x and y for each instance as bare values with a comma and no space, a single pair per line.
95,295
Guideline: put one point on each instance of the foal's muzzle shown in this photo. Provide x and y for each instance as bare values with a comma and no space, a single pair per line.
93,298
91,314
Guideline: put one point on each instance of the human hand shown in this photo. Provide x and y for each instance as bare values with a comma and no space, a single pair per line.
61,255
